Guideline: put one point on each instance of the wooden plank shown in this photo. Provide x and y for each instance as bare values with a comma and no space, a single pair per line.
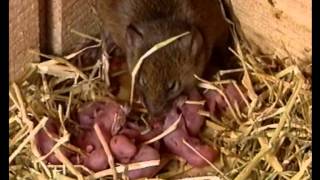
277,26
23,35
65,15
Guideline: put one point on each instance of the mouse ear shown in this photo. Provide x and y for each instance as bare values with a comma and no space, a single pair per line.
196,41
133,36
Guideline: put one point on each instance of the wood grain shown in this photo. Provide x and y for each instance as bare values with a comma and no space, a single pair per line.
277,26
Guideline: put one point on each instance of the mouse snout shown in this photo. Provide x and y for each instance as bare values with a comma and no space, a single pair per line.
155,107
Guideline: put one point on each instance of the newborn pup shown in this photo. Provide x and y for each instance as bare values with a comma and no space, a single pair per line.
174,142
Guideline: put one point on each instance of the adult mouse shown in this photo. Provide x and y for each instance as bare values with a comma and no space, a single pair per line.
137,25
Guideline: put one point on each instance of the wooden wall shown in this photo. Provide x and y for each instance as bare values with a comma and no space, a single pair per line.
24,31
64,15
277,26
274,26
45,25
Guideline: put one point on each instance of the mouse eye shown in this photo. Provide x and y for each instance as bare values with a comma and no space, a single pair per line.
174,86
142,81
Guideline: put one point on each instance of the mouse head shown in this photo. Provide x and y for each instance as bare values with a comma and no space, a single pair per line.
169,71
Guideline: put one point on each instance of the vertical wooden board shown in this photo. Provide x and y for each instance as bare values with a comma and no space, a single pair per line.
66,15
54,26
277,26
77,16
23,35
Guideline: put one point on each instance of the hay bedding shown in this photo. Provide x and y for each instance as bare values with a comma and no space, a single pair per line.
269,139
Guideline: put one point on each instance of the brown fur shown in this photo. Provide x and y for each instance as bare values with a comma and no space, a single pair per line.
136,25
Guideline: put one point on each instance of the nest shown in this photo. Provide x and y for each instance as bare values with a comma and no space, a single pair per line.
269,139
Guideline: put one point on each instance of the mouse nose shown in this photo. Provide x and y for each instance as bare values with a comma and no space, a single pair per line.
155,109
